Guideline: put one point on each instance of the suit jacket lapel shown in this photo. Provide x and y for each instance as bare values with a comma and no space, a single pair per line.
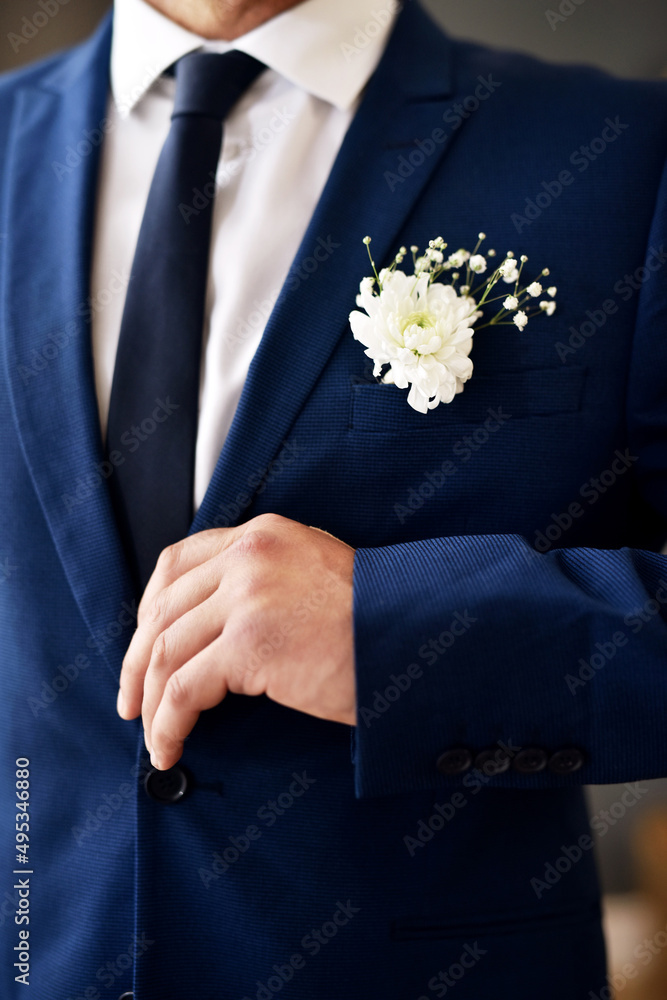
370,192
45,293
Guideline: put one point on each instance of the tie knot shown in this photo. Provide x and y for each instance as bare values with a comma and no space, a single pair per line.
209,84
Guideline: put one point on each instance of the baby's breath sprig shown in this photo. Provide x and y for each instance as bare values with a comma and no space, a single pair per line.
418,327
516,305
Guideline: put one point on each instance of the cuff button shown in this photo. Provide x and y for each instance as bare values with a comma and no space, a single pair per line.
493,761
566,761
530,760
457,760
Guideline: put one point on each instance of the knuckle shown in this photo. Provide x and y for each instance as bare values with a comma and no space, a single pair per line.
163,648
169,558
254,544
270,521
178,690
158,609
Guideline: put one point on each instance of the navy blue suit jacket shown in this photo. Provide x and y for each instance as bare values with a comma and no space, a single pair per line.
509,591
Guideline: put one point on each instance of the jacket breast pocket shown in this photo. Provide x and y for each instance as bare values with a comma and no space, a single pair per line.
376,408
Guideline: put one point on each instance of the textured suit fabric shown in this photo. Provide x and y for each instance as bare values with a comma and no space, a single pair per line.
301,837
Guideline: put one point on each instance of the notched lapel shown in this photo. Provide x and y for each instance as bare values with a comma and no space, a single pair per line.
367,193
46,331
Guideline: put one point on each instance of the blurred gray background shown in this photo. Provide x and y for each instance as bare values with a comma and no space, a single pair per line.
627,37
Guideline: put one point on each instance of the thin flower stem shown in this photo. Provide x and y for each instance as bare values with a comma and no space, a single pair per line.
497,298
490,284
495,321
370,257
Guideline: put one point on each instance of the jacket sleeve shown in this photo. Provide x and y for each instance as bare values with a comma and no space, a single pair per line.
554,664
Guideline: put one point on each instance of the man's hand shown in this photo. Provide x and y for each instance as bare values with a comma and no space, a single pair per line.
265,608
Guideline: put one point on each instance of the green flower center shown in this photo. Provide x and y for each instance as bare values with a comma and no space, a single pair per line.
421,319
412,328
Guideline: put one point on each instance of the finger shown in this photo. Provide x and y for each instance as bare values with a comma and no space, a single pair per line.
182,557
167,607
175,647
199,685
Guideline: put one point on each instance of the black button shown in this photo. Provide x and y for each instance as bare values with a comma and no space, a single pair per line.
530,760
166,786
126,996
493,761
455,761
566,761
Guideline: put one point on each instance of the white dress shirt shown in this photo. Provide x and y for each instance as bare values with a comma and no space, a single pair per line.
280,142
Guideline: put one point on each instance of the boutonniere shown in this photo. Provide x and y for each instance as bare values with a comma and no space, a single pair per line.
418,328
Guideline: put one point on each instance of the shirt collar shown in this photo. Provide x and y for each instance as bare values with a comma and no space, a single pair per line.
329,48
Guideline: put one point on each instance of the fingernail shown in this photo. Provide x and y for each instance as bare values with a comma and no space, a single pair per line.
121,707
156,762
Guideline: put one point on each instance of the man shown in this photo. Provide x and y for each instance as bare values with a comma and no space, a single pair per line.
377,668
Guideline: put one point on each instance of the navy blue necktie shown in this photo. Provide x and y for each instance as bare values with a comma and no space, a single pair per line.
153,410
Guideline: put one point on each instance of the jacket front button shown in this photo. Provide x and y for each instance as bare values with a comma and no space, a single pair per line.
566,761
126,996
530,760
455,761
166,787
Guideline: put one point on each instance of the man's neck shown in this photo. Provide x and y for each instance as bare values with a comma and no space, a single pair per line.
225,19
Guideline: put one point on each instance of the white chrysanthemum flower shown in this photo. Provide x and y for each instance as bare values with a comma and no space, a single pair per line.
422,331
520,319
552,291
534,290
548,307
511,302
478,264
